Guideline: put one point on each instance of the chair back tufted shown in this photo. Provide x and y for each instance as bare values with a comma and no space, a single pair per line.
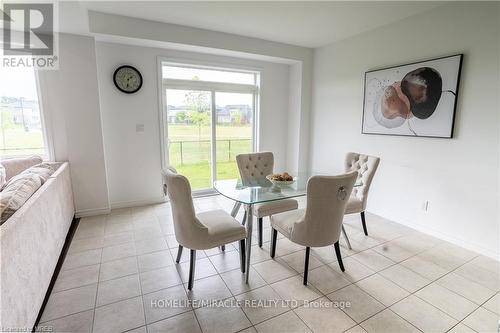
366,166
189,231
327,198
255,166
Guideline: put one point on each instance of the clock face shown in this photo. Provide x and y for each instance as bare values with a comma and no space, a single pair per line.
127,79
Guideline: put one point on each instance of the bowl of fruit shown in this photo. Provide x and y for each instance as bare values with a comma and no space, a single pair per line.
281,179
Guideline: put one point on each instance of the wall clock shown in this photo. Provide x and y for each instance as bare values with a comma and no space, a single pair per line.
127,79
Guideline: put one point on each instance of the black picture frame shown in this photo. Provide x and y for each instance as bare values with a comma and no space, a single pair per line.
457,90
135,70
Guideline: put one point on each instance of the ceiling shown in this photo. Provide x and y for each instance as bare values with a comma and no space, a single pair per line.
308,24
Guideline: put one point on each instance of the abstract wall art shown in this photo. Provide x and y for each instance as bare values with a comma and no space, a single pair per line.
417,99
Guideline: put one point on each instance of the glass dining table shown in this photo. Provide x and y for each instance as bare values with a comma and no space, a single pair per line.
257,192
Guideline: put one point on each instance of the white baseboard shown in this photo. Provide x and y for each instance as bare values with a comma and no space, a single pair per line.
478,248
128,204
92,212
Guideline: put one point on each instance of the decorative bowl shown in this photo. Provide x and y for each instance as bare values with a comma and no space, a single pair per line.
280,182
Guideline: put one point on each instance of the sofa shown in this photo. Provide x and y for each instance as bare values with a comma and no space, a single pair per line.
31,241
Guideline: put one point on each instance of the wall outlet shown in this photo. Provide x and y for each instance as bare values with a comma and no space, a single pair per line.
139,127
425,206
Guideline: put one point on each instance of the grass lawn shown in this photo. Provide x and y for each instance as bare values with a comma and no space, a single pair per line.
16,140
195,164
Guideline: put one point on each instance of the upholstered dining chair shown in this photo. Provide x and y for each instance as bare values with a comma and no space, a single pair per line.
366,166
320,223
200,231
254,167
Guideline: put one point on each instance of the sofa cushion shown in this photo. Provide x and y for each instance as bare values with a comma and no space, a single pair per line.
2,176
21,187
15,166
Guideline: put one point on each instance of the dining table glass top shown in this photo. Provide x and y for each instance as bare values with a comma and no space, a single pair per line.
263,190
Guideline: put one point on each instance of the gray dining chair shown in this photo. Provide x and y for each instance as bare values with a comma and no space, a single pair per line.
320,223
254,167
366,166
201,231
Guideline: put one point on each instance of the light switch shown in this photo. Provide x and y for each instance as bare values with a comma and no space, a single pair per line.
139,127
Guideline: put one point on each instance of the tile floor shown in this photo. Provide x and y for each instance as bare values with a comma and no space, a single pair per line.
120,275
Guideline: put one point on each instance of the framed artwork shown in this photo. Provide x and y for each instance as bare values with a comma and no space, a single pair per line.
416,99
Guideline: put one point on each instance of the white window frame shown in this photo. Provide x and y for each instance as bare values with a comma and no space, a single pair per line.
212,88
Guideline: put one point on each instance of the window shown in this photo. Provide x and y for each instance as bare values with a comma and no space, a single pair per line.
208,118
21,123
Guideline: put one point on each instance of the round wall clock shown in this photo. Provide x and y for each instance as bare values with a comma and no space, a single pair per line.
127,79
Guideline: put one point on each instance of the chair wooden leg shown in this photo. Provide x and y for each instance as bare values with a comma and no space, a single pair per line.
179,254
274,236
363,220
259,223
242,255
244,218
223,247
192,261
339,257
306,265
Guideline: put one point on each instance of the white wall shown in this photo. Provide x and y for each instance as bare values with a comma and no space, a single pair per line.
458,176
70,98
133,158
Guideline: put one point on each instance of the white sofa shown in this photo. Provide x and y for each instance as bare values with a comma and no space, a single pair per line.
31,243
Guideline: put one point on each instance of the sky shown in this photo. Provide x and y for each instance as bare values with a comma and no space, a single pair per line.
18,82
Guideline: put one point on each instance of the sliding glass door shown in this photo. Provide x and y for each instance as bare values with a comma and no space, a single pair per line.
208,117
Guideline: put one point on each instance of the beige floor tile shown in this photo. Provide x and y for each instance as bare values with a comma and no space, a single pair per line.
116,228
259,254
119,317
383,290
183,323
405,278
118,289
84,244
141,329
424,267
293,289
326,254
442,258
217,250
117,239
285,246
393,251
356,329
85,258
321,316
422,315
296,261
479,275
466,288
210,319
388,322
373,260
461,328
185,254
150,245
77,323
361,304
482,320
444,299
493,304
235,281
327,280
89,231
354,270
165,303
118,268
76,277
274,270
288,322
116,252
210,288
203,269
226,261
69,302
261,304
159,279
147,233
150,261
487,263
